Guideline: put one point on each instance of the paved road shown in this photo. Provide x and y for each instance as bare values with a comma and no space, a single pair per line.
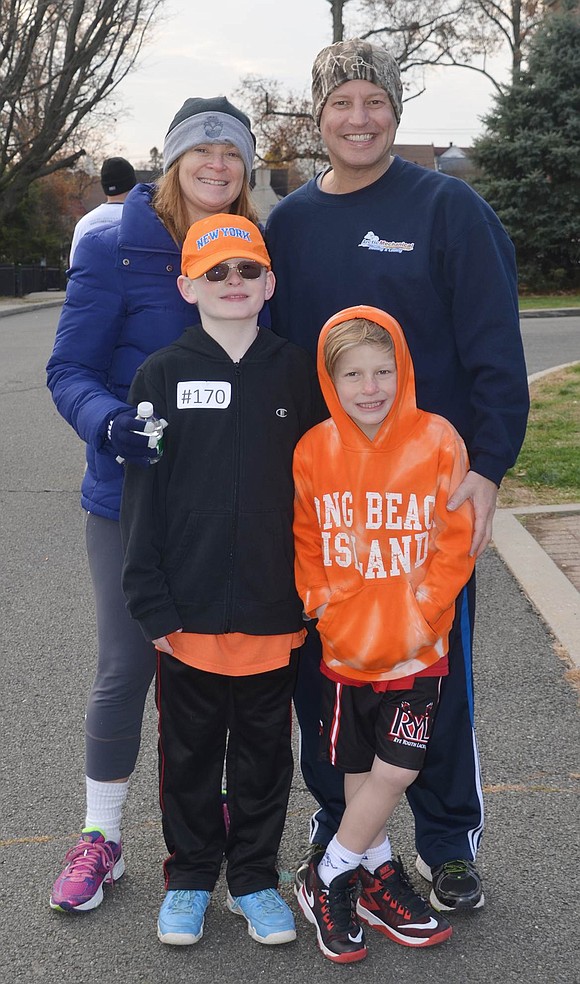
550,342
528,726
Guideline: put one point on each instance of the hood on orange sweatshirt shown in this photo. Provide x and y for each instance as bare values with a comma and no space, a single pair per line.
403,416
375,542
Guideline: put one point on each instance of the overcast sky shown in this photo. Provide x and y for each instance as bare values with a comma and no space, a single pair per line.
204,49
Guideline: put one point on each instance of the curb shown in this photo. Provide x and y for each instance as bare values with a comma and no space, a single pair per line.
549,313
548,372
8,310
549,590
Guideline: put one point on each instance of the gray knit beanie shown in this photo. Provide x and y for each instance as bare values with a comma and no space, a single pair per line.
213,120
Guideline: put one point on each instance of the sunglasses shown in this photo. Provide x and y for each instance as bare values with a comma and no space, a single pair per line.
247,270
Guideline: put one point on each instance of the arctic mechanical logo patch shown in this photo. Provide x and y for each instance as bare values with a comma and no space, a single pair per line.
372,241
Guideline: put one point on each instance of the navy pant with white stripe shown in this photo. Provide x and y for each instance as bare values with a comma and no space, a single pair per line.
446,799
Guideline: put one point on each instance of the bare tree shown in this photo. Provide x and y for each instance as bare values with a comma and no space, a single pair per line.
58,62
337,12
458,33
285,130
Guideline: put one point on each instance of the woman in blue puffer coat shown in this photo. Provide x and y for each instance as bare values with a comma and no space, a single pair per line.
122,304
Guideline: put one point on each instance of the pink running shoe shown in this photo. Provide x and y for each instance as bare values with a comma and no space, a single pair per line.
89,864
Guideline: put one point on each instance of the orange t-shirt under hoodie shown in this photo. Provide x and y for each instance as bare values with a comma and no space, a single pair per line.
373,535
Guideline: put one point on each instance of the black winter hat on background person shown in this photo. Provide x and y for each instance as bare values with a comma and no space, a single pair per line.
117,176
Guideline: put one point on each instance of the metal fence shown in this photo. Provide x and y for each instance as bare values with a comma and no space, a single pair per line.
19,279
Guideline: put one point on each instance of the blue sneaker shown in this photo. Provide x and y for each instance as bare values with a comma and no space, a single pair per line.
268,917
180,919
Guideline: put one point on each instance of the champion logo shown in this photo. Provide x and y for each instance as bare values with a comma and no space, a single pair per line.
281,412
372,241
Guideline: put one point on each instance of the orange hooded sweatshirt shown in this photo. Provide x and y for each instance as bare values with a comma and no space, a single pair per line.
373,536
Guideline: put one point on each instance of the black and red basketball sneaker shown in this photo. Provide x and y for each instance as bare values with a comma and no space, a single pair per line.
389,902
333,911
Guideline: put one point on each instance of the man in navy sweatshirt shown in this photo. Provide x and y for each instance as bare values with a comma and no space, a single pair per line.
374,229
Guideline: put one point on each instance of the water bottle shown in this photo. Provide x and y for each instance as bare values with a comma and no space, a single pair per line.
154,427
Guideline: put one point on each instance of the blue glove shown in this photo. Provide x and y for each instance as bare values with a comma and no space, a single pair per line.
126,436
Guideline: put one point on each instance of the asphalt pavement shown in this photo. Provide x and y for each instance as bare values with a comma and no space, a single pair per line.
528,727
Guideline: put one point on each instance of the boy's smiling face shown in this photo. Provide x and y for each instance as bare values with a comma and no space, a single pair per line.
365,379
232,299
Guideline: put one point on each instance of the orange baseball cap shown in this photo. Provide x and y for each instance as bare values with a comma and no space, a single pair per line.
221,237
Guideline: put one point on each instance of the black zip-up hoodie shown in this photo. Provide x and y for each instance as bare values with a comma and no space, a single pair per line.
208,530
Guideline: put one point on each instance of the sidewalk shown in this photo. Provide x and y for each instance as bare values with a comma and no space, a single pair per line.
541,547
539,544
32,302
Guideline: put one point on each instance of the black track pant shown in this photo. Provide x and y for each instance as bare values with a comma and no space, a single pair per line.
205,718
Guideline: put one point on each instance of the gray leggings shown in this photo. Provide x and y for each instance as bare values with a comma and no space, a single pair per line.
126,663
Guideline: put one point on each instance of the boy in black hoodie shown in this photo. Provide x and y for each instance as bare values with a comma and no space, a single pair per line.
209,576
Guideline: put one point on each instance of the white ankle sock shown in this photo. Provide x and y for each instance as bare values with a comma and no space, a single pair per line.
376,856
105,801
336,861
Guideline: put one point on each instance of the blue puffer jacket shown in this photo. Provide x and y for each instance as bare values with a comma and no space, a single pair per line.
122,304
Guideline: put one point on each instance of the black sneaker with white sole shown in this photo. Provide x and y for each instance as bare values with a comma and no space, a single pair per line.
389,903
333,911
456,885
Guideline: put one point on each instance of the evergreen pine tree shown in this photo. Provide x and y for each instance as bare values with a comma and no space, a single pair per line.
530,157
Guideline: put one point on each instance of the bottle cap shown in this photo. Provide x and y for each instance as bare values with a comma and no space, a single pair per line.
145,410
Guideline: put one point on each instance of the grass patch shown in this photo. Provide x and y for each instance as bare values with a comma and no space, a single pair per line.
531,301
547,471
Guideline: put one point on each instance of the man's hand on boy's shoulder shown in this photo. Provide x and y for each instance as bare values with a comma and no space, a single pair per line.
483,494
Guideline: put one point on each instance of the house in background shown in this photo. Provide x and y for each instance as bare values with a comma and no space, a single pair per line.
456,161
423,154
449,160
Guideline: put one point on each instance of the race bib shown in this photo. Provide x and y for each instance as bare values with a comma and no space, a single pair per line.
203,394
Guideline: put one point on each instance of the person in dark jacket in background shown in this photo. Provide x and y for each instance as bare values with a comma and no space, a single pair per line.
209,576
375,229
122,304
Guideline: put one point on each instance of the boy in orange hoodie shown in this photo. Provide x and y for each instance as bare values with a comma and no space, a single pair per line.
379,561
